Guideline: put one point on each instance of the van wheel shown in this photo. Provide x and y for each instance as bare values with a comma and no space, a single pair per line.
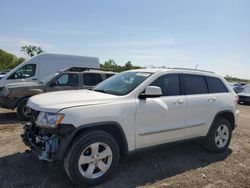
219,137
91,158
23,111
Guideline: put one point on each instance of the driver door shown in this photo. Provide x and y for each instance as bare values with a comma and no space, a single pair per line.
66,81
161,119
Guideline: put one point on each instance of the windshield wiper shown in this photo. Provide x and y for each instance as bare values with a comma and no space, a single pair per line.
107,92
101,91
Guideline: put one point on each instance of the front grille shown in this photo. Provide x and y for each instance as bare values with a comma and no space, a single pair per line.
244,98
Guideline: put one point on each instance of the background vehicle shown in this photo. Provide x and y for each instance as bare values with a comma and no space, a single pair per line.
237,87
244,95
16,95
89,130
40,66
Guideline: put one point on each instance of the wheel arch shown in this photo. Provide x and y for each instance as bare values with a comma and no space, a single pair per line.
112,128
226,114
21,99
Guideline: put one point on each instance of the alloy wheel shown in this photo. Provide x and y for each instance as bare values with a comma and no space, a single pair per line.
95,160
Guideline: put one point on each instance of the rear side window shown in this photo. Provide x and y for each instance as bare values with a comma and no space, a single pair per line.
91,79
194,84
169,84
109,75
215,85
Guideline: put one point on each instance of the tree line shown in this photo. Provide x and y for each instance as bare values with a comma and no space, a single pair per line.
8,60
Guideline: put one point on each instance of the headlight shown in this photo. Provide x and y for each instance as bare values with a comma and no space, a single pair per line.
49,120
4,92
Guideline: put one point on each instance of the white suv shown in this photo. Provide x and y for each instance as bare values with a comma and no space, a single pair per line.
90,129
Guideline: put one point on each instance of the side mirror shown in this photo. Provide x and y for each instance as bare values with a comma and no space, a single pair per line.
151,91
53,84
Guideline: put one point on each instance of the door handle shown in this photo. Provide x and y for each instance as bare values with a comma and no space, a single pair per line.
177,102
212,99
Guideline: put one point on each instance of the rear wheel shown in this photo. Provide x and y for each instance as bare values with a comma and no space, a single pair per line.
219,137
92,158
23,111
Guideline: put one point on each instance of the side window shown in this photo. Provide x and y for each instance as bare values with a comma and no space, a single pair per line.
194,84
169,84
91,79
215,85
108,75
26,71
66,80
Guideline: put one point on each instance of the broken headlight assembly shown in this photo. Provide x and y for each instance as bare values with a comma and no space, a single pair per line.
49,120
4,92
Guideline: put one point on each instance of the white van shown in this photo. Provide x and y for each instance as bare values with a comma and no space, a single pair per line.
40,66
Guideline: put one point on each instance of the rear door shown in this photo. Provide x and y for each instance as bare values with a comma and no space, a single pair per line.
199,104
91,79
221,98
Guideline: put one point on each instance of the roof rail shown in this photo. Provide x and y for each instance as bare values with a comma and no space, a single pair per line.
81,69
192,69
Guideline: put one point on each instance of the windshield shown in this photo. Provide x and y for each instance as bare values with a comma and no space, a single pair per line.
246,89
49,77
123,83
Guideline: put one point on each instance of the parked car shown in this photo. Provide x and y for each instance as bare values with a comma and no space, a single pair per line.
90,130
16,95
244,96
40,66
237,87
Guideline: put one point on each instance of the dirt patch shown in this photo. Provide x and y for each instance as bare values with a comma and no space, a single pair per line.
175,165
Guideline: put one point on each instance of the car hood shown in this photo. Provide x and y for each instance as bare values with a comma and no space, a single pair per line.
244,94
56,101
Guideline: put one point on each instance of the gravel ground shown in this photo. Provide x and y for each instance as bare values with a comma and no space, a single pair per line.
175,165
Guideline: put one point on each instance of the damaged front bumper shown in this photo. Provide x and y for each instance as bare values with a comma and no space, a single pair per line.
46,142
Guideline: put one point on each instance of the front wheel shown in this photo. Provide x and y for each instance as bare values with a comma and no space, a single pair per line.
219,137
92,158
23,111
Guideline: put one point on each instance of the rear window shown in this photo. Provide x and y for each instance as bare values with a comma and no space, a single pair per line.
194,84
215,85
91,79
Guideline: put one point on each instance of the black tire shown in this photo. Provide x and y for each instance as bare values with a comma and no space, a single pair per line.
210,143
21,110
75,150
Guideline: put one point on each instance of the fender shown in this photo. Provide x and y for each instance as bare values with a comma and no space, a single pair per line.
74,132
223,114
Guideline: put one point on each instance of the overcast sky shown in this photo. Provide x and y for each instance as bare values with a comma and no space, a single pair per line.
214,34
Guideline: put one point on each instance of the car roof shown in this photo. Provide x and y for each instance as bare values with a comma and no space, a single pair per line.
176,70
90,71
84,70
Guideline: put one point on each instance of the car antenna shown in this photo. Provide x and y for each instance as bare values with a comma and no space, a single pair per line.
196,66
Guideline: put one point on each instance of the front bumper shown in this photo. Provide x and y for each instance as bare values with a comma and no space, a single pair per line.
9,103
46,142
